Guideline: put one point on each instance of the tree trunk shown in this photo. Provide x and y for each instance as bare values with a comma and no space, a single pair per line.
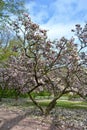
0,99
50,107
52,104
37,104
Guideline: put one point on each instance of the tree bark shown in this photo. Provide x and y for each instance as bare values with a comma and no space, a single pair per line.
37,104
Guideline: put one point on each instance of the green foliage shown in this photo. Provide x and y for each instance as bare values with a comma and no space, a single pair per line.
5,54
10,50
2,3
41,95
73,97
11,93
16,6
9,7
7,93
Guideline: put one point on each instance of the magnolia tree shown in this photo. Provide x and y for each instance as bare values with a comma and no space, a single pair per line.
59,67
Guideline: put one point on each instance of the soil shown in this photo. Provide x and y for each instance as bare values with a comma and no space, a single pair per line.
21,118
18,120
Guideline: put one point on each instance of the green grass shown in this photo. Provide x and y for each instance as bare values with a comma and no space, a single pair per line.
44,102
72,104
67,104
61,103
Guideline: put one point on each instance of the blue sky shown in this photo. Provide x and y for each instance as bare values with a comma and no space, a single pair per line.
58,16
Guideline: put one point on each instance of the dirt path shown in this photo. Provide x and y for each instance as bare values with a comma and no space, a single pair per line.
18,120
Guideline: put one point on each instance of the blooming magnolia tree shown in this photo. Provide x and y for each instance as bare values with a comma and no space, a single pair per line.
59,67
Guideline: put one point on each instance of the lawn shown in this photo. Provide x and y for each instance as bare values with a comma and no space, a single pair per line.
25,102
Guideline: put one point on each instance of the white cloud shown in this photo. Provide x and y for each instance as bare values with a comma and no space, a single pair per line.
38,15
61,16
58,30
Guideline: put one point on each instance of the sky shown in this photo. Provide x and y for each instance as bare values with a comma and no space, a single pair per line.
58,16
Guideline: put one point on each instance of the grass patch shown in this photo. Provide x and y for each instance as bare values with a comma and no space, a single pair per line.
72,104
66,104
60,103
63,104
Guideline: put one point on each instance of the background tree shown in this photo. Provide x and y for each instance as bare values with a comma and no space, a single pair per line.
11,7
